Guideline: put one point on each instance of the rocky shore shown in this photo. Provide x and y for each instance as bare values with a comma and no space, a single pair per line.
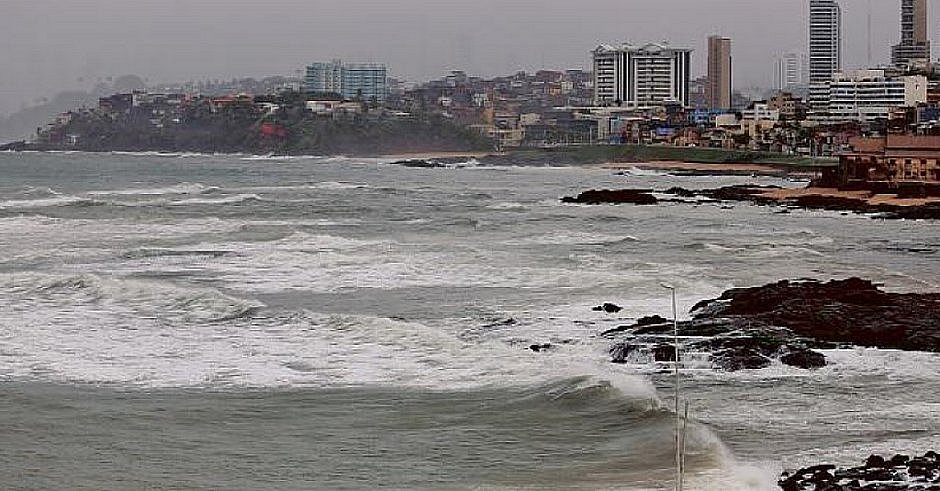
880,206
786,322
898,473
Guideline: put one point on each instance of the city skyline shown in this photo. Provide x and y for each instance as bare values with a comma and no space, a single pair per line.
418,40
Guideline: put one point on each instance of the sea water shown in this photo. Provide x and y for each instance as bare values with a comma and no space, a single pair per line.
192,321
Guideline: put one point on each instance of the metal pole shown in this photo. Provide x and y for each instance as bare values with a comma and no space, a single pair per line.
675,334
675,331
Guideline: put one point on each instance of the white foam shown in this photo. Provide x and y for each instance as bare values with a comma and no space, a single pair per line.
181,188
108,330
224,200
45,202
325,263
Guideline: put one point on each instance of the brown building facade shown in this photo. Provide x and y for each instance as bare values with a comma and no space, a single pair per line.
891,161
718,88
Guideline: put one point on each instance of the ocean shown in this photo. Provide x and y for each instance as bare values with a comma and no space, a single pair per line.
185,321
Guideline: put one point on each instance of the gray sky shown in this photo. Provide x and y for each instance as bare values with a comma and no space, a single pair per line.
51,45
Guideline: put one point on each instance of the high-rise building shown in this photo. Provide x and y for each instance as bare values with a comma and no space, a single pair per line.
789,71
646,76
718,90
914,47
825,40
364,81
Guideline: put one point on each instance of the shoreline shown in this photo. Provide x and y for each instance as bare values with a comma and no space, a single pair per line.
703,168
784,195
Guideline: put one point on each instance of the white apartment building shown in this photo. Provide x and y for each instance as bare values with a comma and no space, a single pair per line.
789,71
641,76
368,81
865,95
825,40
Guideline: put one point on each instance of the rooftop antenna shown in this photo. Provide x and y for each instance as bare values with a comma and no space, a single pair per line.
869,33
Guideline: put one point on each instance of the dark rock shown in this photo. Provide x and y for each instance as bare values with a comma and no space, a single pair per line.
901,473
608,307
899,460
596,197
874,461
681,192
853,311
753,194
732,360
14,146
651,320
664,352
926,212
804,358
427,164
620,351
505,322
540,347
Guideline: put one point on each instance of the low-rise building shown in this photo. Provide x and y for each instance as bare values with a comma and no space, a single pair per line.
891,160
865,96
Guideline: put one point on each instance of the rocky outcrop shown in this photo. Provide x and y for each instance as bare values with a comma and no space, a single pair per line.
755,194
13,146
899,473
619,196
608,307
751,328
851,311
420,163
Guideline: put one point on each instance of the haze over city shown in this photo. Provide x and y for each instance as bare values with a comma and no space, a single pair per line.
51,45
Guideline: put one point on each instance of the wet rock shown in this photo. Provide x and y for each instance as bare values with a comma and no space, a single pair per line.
427,164
874,461
754,194
746,328
664,352
804,358
505,322
681,192
732,360
608,307
898,460
900,473
601,196
652,320
621,351
851,311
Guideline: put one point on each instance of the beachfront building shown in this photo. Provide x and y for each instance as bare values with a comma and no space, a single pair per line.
914,48
891,160
648,76
354,81
865,96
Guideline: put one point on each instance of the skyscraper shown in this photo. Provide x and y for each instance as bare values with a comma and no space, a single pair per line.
646,76
718,90
825,40
914,46
788,71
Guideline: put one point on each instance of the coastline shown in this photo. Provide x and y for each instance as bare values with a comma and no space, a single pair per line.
874,200
700,167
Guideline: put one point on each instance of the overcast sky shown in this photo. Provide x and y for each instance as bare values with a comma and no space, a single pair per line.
51,45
